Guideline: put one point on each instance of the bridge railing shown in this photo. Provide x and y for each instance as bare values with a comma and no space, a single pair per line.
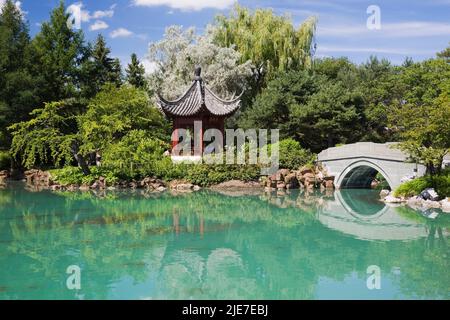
363,149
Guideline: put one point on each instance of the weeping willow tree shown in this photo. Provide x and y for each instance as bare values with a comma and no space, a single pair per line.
271,42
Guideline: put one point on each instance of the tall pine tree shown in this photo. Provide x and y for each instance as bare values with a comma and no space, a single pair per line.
60,51
99,69
17,96
136,73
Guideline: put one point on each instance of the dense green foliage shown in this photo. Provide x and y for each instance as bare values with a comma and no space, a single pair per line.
422,117
114,112
198,174
47,138
309,108
56,136
441,183
75,176
99,69
292,155
59,52
17,84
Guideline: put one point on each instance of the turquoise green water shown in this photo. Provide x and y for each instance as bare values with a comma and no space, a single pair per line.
209,245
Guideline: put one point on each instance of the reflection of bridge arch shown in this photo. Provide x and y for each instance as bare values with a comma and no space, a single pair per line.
365,216
360,174
382,223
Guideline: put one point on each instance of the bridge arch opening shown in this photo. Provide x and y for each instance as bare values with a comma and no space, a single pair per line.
361,175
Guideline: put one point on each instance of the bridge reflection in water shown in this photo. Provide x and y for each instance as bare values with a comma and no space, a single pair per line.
360,214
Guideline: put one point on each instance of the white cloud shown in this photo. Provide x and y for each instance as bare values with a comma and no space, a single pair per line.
104,14
86,16
186,5
407,29
121,33
99,25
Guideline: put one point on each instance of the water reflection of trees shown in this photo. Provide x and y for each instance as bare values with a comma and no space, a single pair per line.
200,245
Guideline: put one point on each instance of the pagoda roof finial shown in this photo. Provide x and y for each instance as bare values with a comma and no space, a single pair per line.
198,73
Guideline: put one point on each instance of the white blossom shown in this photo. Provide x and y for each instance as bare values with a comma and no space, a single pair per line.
177,54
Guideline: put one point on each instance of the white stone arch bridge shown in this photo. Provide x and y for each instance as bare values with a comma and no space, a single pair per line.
356,165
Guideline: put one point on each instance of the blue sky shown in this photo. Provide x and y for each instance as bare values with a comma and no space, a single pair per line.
414,28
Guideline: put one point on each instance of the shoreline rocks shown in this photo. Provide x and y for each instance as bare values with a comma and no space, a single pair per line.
4,175
304,178
182,186
236,184
416,202
283,180
43,180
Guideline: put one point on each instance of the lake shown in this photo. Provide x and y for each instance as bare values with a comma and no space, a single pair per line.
211,245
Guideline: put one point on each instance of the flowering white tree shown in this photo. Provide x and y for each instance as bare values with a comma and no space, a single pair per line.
177,54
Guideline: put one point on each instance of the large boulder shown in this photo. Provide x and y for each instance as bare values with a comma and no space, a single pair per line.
236,184
309,180
38,178
84,187
182,186
392,199
281,174
291,181
281,185
445,205
152,184
384,193
414,202
3,176
428,204
328,184
429,194
305,170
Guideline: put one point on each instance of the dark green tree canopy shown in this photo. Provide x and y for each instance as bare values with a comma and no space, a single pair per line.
136,72
17,86
307,107
59,53
99,68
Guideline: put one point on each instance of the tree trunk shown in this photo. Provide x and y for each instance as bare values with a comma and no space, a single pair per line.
80,159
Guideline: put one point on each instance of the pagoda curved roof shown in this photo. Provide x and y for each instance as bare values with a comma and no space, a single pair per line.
197,99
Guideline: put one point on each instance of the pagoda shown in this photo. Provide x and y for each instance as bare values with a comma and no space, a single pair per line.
198,103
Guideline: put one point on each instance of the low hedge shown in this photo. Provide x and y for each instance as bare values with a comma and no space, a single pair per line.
198,174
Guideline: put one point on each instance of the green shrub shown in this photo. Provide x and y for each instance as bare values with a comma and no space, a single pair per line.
412,188
67,175
292,155
206,175
199,174
441,183
165,169
5,160
74,175
135,154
